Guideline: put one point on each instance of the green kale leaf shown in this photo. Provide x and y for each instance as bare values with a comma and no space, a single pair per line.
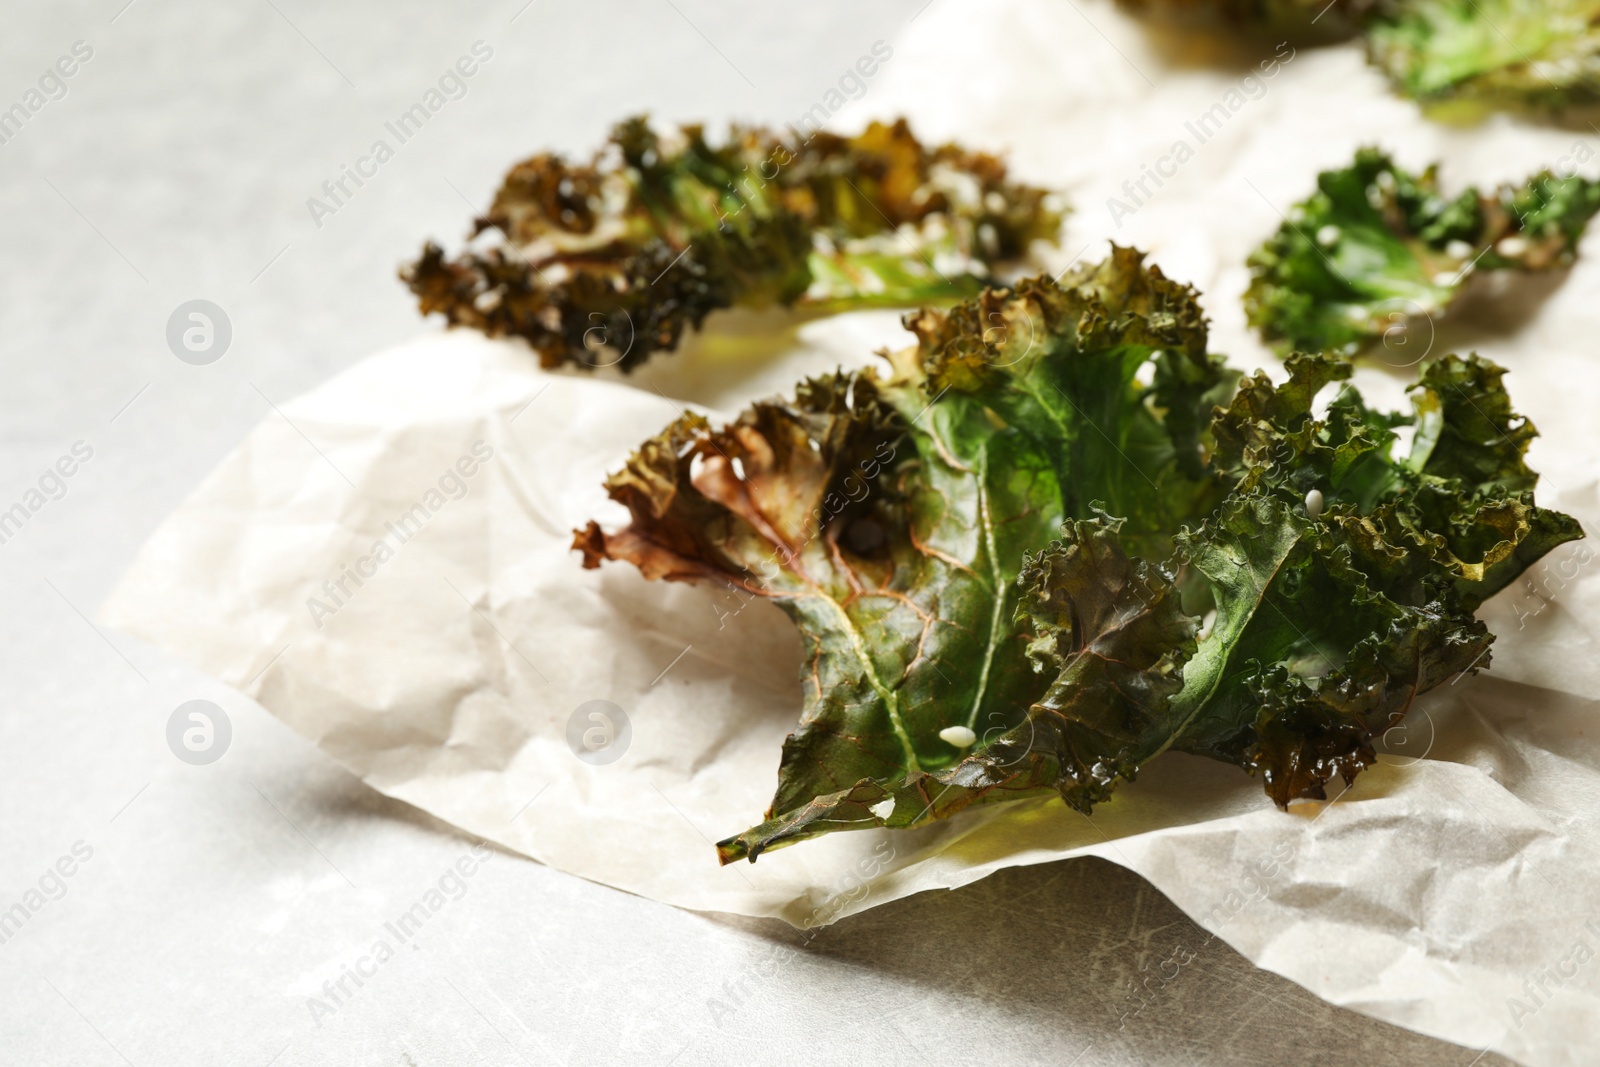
891,516
1344,576
1310,20
1025,562
604,263
1502,53
1377,249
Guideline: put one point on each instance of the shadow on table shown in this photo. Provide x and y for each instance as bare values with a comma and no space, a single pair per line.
1083,955
1076,958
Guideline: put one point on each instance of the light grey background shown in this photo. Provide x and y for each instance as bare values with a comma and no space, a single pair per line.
217,897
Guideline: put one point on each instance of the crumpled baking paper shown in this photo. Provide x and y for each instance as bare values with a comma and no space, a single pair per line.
385,565
447,475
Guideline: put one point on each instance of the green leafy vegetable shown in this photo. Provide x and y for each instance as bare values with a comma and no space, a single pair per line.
1345,578
891,516
1378,247
603,263
1023,564
1540,53
1302,19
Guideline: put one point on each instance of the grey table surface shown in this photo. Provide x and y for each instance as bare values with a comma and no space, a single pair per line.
175,164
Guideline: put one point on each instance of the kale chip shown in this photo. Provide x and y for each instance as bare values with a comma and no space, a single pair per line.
1542,54
603,263
1377,248
1037,553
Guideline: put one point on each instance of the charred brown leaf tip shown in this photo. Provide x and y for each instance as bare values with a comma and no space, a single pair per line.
605,262
591,541
546,192
699,498
670,535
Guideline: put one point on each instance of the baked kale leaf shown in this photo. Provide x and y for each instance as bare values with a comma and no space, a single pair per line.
1345,576
890,516
1504,53
1312,20
603,263
1036,554
1541,55
1378,248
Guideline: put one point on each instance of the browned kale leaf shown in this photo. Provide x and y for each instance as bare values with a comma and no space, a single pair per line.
1037,554
605,262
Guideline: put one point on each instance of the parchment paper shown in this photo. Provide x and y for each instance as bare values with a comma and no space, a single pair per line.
1453,894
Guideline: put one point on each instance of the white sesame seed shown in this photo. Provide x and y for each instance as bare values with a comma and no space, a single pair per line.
1314,503
959,736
